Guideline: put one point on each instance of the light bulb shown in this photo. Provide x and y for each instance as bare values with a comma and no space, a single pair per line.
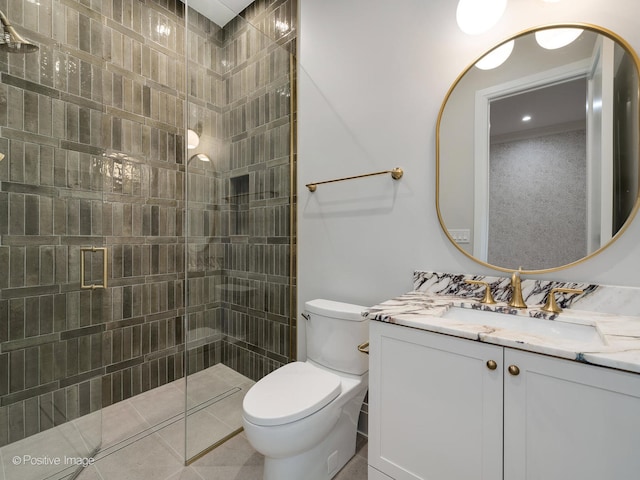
478,16
496,57
193,140
554,38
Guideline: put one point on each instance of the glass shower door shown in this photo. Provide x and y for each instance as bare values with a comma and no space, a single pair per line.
54,268
53,264
239,193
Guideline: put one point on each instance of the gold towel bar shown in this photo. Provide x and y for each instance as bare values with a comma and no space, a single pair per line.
396,174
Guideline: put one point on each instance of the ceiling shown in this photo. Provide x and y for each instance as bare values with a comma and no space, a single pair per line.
219,12
555,105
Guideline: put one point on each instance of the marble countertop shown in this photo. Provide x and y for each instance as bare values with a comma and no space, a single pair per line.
619,334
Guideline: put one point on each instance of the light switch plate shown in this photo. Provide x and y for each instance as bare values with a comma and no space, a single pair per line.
460,235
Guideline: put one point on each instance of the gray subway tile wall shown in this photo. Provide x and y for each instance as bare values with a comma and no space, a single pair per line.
92,128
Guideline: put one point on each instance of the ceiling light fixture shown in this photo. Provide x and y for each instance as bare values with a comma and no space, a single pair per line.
496,57
526,118
554,38
199,157
193,140
478,16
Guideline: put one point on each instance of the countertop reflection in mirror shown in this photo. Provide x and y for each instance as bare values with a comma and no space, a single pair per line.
538,158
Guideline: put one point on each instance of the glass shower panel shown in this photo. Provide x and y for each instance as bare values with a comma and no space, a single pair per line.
239,286
53,277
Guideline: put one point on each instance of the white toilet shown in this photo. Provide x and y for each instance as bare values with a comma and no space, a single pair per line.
303,416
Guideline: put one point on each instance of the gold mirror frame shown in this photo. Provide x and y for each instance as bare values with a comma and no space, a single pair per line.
593,28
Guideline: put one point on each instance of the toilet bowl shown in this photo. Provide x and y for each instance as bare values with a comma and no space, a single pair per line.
303,417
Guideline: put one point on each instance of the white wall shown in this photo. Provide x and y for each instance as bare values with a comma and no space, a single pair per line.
372,77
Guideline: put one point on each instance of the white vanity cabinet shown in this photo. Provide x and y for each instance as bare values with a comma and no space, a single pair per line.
565,420
435,409
440,409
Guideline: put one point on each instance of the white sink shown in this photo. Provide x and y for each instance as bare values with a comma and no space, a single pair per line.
554,330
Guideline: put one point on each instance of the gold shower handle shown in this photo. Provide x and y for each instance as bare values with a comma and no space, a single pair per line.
105,263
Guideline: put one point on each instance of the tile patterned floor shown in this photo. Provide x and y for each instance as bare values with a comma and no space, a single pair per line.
152,459
143,437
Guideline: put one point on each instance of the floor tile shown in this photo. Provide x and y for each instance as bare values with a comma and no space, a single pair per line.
186,473
27,459
148,458
229,409
203,431
91,473
143,437
120,422
159,404
235,452
355,469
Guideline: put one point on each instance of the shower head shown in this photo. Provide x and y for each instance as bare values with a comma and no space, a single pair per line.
12,41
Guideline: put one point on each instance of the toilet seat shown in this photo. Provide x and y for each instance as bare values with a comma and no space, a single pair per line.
290,393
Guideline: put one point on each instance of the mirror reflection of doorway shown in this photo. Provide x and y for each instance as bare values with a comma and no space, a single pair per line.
538,162
566,159
625,147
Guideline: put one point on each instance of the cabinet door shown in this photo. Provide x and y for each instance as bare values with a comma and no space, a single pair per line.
566,420
373,474
435,408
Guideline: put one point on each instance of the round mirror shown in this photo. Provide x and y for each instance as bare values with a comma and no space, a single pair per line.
538,154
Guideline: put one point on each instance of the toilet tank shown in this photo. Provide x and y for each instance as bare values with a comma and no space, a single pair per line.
334,331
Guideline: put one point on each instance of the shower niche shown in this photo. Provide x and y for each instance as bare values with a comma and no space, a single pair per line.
239,205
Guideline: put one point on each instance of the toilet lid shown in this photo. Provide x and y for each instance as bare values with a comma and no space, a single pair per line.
290,393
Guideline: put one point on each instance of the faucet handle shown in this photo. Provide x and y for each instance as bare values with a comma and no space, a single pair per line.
488,298
552,306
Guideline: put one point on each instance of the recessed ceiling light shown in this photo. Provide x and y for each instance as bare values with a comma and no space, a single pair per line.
526,118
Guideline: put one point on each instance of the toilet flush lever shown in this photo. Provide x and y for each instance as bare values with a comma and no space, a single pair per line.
305,316
364,348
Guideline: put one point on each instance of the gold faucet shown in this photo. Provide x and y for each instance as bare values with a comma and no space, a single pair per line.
488,298
552,306
516,291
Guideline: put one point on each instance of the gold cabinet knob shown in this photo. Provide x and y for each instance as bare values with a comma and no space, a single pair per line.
491,364
514,370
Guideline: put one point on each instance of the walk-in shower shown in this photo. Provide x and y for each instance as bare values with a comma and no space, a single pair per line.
128,264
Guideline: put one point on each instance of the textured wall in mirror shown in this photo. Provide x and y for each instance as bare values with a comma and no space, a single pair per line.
546,174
